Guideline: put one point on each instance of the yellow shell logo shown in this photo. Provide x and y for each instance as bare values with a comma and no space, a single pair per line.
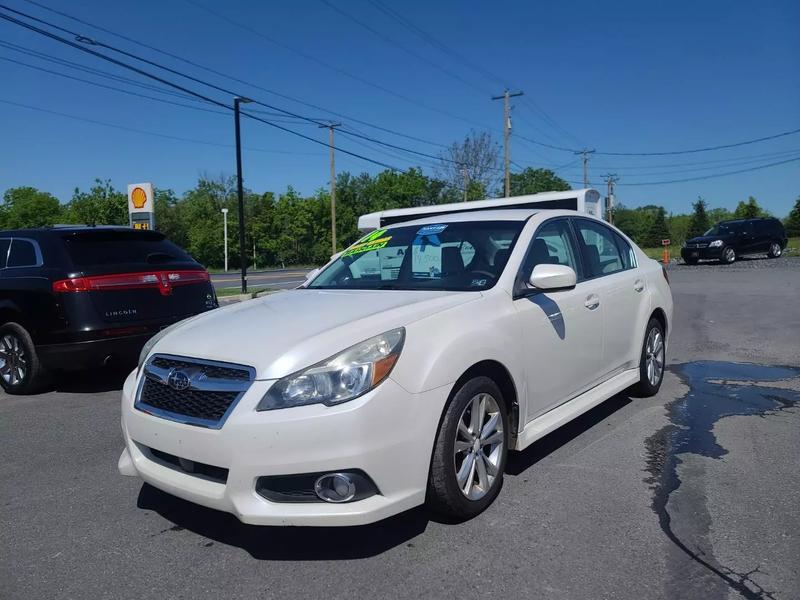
138,197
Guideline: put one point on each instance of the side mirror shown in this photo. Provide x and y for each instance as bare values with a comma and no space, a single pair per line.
553,277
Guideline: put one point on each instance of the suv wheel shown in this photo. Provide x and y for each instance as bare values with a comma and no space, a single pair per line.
20,370
728,255
470,453
775,250
651,363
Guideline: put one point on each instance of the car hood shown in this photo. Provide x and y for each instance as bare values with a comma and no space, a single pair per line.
288,331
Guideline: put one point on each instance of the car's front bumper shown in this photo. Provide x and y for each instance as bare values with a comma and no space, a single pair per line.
388,434
706,253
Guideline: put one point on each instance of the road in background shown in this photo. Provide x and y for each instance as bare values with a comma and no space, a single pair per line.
279,279
639,498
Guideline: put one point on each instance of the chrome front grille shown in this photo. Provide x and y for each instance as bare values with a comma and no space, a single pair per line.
697,245
190,390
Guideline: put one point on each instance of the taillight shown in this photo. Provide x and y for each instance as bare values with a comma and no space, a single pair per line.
163,280
664,272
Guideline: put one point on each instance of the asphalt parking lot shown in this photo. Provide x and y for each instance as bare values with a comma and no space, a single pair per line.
690,494
272,279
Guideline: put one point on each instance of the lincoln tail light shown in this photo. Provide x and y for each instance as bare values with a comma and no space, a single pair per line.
163,280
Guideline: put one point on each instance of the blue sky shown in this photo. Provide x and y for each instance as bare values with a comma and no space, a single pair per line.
624,76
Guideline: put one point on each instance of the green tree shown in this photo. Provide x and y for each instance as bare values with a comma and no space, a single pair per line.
28,207
715,215
533,181
101,205
699,223
474,162
749,210
658,229
792,223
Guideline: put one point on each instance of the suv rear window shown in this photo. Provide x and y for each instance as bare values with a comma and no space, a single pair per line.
99,248
23,254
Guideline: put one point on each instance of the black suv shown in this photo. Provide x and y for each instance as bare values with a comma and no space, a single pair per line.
75,297
728,239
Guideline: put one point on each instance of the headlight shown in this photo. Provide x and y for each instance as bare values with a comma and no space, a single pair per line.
340,378
153,341
715,244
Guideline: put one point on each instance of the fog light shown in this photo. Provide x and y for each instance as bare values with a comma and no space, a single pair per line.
335,487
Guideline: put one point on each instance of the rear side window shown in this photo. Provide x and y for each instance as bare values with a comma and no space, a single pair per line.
5,244
101,248
602,256
626,251
23,254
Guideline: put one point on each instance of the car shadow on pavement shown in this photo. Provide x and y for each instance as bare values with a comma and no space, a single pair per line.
91,381
284,543
518,462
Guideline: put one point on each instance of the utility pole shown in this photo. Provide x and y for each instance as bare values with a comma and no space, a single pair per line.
507,134
585,157
610,179
240,189
225,229
465,173
331,126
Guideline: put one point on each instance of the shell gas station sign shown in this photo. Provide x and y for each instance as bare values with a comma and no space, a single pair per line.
141,209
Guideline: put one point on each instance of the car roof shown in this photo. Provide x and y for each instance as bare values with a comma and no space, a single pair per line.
34,231
513,214
509,214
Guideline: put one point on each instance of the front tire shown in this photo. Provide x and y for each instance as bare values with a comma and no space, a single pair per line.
728,255
20,369
652,360
470,453
775,250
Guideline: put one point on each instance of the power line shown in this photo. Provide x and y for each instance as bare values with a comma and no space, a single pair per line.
735,163
229,77
708,149
775,164
704,162
87,40
405,49
151,133
328,65
167,82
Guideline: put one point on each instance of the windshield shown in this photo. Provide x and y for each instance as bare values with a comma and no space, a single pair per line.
465,256
724,229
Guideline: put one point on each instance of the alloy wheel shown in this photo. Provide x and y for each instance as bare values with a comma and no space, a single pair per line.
13,362
479,446
654,356
730,255
775,249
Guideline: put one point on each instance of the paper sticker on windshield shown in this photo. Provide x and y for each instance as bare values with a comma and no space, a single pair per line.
373,241
431,230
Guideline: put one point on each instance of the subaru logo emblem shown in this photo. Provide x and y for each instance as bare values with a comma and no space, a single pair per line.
178,380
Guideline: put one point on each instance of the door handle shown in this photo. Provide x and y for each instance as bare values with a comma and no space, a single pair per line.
638,285
592,302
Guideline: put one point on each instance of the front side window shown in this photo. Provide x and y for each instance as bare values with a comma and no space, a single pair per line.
552,245
601,253
464,256
23,254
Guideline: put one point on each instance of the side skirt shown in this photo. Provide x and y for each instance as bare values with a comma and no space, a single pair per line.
565,413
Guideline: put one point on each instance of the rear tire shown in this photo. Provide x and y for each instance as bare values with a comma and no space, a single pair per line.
728,255
469,458
20,369
652,360
775,250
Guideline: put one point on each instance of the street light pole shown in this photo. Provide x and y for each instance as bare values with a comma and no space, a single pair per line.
225,227
240,190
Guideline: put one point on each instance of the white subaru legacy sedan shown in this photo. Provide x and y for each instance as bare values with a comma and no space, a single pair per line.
402,373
